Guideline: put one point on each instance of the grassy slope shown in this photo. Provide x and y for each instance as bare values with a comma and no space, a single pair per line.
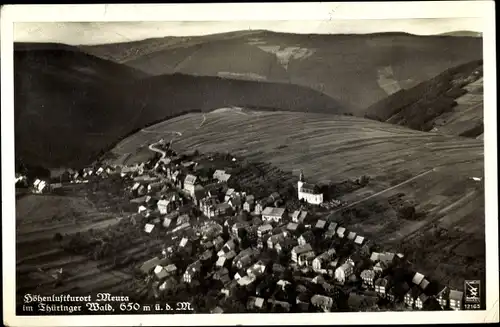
451,102
338,147
70,106
346,67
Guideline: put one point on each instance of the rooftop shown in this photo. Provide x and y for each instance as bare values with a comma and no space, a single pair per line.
272,211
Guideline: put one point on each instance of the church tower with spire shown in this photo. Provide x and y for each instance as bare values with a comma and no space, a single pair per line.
301,181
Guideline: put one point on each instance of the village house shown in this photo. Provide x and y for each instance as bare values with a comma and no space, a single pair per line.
230,288
249,204
264,229
323,302
380,267
229,194
359,240
199,194
160,272
382,285
149,265
166,204
456,298
299,216
285,306
220,262
148,228
368,277
443,297
301,253
257,269
375,256
192,272
154,187
420,301
272,214
351,236
329,234
217,310
218,243
229,246
397,292
305,238
235,202
285,245
320,224
321,262
260,205
40,186
293,228
308,192
417,278
343,272
424,284
237,228
221,176
252,233
255,303
190,183
341,232
388,258
246,280
411,296
222,209
220,273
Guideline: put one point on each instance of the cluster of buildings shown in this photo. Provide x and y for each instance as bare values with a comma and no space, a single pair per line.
241,251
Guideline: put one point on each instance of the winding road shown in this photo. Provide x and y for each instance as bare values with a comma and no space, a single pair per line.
152,148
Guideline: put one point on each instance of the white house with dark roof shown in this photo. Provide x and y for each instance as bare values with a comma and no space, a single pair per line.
190,183
359,240
341,232
192,272
417,278
443,297
249,204
264,229
300,251
368,277
343,272
308,192
351,236
456,298
320,224
299,216
320,263
273,214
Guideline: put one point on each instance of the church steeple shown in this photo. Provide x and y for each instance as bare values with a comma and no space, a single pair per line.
301,178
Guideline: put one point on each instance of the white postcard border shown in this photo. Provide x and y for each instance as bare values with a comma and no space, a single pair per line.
221,12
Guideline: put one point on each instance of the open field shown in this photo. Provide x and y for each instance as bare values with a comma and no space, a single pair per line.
335,148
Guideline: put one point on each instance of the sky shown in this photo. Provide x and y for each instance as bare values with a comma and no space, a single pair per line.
77,33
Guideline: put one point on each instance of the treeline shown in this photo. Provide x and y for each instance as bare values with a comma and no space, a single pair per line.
419,106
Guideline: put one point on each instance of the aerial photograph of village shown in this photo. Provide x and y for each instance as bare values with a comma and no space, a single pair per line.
213,167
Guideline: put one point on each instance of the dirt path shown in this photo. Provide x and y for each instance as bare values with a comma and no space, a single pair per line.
202,122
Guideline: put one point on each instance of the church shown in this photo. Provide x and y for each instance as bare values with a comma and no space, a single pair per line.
309,192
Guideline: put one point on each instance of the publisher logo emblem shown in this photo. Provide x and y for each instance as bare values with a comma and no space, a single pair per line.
472,291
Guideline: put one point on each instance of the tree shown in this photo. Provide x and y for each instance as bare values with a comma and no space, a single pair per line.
407,211
58,237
